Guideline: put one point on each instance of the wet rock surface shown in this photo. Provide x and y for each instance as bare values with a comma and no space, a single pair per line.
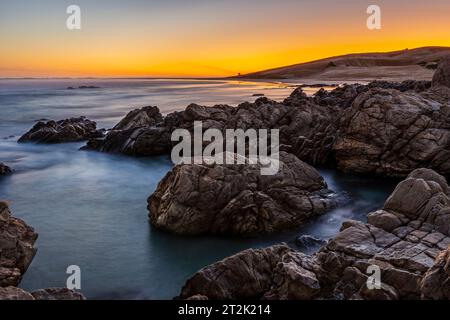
16,247
237,199
68,130
408,240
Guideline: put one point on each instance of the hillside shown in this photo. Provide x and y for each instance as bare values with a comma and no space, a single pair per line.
416,64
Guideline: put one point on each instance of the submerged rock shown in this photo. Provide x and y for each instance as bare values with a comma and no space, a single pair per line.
237,199
68,130
16,247
404,240
4,169
307,242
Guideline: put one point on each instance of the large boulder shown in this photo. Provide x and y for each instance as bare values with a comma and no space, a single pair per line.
272,273
4,169
237,199
388,132
404,241
16,247
146,116
68,130
442,75
138,134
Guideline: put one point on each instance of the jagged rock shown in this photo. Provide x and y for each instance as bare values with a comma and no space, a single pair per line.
436,282
57,294
246,275
237,199
16,247
4,169
403,240
382,128
387,132
146,116
442,75
306,129
13,293
68,130
136,134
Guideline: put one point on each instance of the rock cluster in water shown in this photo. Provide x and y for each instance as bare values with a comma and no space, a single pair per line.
68,130
383,128
16,253
408,240
237,199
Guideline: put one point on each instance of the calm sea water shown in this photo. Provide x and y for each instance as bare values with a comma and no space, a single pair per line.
90,208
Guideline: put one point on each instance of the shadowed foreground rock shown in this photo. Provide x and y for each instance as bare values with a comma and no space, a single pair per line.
16,247
16,253
408,240
237,199
68,130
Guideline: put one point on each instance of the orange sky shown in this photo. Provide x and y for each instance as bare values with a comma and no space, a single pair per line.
204,38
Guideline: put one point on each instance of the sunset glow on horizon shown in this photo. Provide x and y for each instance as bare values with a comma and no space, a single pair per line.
200,38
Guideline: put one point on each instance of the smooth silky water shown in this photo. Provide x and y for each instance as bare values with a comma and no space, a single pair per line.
90,209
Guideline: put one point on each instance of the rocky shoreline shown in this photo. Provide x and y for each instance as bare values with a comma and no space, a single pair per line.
383,128
379,129
408,239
